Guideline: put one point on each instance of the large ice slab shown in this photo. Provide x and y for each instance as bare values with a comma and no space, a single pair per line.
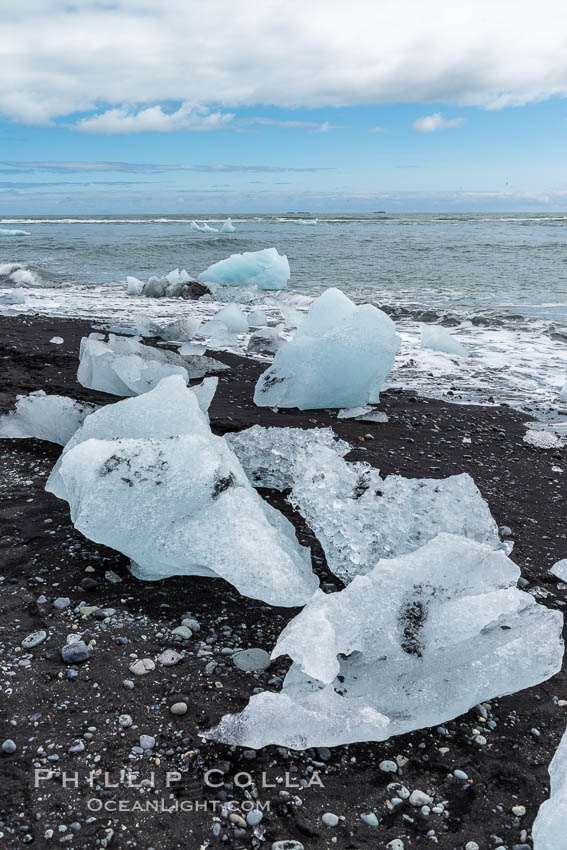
126,367
439,338
46,417
268,455
180,330
339,357
265,269
360,517
147,477
550,826
416,642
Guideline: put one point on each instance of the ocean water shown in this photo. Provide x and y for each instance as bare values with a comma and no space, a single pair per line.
498,281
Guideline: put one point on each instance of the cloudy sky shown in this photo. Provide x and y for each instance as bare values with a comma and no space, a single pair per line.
270,105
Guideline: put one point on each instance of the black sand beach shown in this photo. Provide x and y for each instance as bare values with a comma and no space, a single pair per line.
504,753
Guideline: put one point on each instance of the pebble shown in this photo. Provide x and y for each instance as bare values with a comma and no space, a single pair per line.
329,819
472,845
125,721
61,602
388,766
9,747
33,639
141,667
254,817
252,660
237,820
420,798
147,742
519,811
460,774
182,632
179,708
191,624
370,819
288,844
169,657
396,844
76,652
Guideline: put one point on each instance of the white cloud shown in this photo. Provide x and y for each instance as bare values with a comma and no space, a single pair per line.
430,123
378,130
153,119
126,56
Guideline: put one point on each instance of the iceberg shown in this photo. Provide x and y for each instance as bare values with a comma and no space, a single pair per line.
417,642
438,338
228,226
4,232
125,367
134,286
559,569
265,269
54,418
266,340
195,226
147,477
339,357
550,825
268,455
360,517
234,319
208,229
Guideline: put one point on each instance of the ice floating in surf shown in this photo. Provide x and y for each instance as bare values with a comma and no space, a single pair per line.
438,338
228,226
147,477
234,319
4,232
418,641
339,357
15,297
54,418
265,269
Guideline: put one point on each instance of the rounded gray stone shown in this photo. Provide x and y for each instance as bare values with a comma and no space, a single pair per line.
33,639
75,653
9,747
254,817
330,819
179,708
252,660
147,742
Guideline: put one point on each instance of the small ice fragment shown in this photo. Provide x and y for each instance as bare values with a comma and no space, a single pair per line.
179,330
208,229
438,338
4,232
134,286
54,418
339,357
375,416
192,348
542,439
266,340
57,340
559,569
195,226
233,317
265,269
205,392
257,319
353,412
217,332
228,226
418,641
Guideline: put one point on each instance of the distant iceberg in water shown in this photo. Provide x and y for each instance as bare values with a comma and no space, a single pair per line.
228,226
4,232
265,269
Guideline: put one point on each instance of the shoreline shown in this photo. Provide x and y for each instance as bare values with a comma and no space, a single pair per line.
45,556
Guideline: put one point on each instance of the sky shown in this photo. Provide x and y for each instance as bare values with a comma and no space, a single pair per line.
274,105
